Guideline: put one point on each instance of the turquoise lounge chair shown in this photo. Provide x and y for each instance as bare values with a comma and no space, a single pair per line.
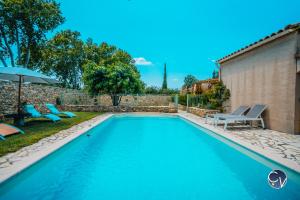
55,111
36,114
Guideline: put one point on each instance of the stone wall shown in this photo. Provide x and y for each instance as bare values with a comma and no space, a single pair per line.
181,107
105,100
41,94
30,93
201,112
267,75
97,108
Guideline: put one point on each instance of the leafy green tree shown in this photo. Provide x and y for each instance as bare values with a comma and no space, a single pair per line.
23,28
115,80
110,70
165,84
189,80
63,57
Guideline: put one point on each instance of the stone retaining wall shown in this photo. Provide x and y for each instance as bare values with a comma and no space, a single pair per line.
97,108
201,112
40,94
127,100
181,107
30,93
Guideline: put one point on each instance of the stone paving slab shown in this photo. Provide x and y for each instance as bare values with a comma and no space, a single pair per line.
280,147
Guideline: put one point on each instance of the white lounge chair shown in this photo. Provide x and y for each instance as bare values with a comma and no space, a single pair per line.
237,112
254,114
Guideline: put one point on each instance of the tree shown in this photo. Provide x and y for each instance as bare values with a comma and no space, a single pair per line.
111,72
63,57
23,28
115,80
189,81
165,84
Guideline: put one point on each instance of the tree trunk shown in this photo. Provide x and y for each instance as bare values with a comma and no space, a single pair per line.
3,61
27,57
18,46
116,99
11,55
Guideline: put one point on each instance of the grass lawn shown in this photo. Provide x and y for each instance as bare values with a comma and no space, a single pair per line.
36,129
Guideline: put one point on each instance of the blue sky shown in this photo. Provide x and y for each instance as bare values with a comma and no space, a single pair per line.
186,34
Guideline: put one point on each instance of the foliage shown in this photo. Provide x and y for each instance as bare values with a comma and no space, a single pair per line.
91,51
189,80
152,90
36,129
211,99
217,95
182,99
111,55
23,28
58,101
115,80
111,72
157,90
165,84
63,57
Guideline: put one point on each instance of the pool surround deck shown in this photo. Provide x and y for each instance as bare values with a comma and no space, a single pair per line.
279,147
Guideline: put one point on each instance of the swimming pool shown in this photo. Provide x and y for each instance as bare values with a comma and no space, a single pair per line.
149,157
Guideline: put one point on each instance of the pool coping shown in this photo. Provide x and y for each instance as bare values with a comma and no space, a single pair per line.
17,167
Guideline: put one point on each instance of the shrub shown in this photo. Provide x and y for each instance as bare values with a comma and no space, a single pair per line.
58,101
211,99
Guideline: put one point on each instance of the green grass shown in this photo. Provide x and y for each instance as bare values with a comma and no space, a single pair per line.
36,129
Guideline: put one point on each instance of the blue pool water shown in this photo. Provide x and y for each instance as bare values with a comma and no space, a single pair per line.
140,158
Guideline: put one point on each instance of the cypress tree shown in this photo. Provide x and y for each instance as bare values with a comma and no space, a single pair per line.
165,85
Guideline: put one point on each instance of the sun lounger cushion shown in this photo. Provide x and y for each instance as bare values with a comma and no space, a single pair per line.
6,130
52,117
32,111
55,111
69,114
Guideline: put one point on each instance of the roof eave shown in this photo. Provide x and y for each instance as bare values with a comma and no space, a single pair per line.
256,45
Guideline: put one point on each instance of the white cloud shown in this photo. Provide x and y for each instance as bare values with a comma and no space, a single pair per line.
142,61
175,79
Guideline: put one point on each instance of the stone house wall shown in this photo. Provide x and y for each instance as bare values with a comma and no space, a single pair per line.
267,75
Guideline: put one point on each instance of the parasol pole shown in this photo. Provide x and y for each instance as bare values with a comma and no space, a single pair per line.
19,95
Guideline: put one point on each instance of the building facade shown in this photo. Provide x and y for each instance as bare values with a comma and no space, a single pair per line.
268,72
